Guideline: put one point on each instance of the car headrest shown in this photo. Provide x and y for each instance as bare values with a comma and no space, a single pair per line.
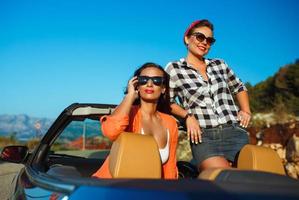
135,156
254,157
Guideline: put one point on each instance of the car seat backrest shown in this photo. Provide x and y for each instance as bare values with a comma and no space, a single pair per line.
135,156
252,161
252,177
254,157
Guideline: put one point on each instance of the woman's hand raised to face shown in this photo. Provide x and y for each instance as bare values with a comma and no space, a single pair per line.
132,87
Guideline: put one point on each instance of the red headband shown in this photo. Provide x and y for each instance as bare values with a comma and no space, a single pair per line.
190,27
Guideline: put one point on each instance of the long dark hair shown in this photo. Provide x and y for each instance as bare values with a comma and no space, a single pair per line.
164,99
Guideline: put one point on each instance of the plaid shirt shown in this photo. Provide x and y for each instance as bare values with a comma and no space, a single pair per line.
210,101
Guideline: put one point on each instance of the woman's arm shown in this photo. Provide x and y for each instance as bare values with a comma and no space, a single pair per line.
244,115
118,121
192,125
234,83
123,109
238,88
178,110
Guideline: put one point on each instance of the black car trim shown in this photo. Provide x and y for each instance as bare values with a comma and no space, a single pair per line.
36,165
59,124
48,182
67,115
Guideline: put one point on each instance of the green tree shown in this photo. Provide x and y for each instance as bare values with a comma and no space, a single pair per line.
278,93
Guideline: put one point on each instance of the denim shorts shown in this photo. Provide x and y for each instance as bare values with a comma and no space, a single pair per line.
224,140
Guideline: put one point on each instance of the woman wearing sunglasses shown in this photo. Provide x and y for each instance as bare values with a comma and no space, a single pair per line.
204,87
144,110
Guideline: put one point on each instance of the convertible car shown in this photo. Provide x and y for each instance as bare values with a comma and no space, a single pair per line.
62,164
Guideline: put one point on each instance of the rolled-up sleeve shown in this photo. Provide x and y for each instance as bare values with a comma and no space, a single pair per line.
112,126
173,89
235,84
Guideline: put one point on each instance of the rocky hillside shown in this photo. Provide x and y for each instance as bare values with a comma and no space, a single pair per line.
278,93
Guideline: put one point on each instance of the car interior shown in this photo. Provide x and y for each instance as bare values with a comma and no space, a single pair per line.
68,157
126,162
75,152
74,148
78,149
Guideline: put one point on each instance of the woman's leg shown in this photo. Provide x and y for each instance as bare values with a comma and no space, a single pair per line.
214,162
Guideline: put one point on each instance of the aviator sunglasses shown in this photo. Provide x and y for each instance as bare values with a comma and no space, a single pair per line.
201,37
157,80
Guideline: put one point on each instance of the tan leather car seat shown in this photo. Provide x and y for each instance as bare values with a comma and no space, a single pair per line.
135,156
251,157
254,157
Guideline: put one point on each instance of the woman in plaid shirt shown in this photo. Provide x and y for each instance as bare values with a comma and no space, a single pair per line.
205,89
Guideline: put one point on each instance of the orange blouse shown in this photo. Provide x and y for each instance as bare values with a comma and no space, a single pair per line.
113,126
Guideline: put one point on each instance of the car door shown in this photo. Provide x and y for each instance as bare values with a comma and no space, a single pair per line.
81,145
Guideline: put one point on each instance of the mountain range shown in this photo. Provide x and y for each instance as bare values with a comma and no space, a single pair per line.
23,126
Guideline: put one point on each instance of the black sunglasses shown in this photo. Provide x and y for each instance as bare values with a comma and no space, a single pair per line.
157,80
201,37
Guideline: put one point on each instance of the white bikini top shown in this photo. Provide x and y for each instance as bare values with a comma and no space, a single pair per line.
164,153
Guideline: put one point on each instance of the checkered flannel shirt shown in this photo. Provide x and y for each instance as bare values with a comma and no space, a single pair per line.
210,101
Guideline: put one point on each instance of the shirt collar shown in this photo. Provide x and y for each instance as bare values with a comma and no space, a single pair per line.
184,62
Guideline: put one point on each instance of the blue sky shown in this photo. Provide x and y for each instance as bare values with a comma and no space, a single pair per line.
56,52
